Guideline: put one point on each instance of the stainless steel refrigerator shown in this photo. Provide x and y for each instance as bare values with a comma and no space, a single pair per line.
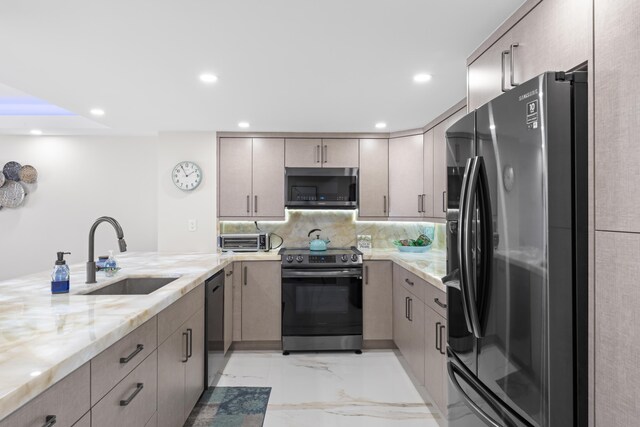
517,257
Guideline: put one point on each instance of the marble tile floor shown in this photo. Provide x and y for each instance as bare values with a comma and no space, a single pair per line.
332,389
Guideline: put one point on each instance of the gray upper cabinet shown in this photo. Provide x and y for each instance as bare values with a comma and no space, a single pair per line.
440,164
339,153
428,174
405,177
553,36
373,198
234,183
617,116
303,153
251,178
268,177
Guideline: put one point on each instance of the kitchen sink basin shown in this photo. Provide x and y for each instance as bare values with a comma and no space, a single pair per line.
134,286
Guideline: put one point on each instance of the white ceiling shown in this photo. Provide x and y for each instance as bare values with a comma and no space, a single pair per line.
283,65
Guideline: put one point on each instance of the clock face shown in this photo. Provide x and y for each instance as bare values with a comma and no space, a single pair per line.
186,175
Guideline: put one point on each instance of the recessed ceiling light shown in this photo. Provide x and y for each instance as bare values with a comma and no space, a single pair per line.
243,124
422,78
381,125
97,111
208,78
35,132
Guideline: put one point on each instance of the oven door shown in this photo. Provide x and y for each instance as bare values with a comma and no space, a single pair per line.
322,302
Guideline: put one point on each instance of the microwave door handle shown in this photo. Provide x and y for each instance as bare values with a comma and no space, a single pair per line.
461,281
467,273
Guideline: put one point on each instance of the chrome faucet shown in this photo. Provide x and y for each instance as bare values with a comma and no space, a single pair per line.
91,264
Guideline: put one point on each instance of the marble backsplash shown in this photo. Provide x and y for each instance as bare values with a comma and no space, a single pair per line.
338,226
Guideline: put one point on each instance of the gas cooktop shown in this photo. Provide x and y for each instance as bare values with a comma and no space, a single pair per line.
306,258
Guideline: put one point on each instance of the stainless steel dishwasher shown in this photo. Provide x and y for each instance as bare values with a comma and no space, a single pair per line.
214,328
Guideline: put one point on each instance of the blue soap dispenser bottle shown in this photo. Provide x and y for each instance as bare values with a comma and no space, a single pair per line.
60,275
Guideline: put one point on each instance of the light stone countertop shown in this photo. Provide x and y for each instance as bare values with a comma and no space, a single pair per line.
45,337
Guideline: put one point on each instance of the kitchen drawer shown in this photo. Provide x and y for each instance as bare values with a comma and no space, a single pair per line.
122,407
67,400
113,364
174,316
436,299
410,281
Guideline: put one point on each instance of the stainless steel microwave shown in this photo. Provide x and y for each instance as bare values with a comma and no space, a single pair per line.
321,188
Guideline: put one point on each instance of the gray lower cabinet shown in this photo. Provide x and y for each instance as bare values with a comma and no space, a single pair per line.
228,307
408,329
180,358
377,305
435,359
261,301
65,402
133,401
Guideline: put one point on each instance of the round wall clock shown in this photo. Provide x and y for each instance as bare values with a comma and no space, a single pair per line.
186,175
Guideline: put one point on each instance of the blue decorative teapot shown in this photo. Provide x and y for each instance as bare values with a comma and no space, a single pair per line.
317,244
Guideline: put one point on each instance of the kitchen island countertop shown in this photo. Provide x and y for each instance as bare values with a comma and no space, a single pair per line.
44,337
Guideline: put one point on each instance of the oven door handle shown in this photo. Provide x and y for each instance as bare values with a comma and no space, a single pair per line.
325,273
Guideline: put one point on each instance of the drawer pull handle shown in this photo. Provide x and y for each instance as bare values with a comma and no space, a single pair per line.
409,282
190,332
49,421
437,301
138,349
229,273
442,347
138,389
186,350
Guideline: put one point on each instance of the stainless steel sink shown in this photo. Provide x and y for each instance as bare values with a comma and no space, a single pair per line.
134,286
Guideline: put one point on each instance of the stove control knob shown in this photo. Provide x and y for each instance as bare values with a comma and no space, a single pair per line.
289,258
299,258
344,258
354,257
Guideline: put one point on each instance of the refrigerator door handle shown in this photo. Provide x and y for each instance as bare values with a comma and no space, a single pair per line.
462,252
486,245
466,259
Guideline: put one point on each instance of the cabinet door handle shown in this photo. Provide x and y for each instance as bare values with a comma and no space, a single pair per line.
138,389
442,326
245,276
419,202
49,421
384,204
512,65
366,274
423,197
437,301
444,201
409,281
410,309
185,336
502,74
326,153
317,154
438,336
406,308
138,349
190,339
248,203
255,203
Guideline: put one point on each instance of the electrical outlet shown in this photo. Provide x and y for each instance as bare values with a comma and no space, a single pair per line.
192,225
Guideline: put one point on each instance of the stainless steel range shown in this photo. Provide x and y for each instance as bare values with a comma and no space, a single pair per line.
321,300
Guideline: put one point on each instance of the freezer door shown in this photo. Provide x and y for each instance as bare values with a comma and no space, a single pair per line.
472,405
515,352
460,147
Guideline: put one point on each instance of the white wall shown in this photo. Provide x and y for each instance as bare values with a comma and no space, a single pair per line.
80,179
176,207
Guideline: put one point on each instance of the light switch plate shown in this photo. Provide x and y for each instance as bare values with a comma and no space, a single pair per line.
192,225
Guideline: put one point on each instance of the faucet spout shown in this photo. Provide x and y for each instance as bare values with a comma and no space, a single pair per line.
122,244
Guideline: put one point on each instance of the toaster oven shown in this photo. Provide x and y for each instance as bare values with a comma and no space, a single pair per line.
244,242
